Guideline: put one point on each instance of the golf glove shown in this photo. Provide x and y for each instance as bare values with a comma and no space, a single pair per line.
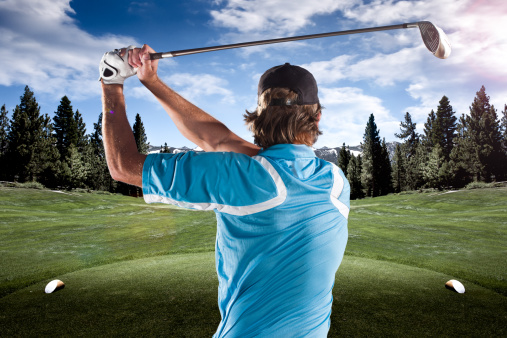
114,69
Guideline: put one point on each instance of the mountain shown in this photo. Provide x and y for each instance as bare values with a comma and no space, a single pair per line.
325,153
328,154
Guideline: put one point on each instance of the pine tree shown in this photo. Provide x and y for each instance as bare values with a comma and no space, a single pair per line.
72,142
415,166
464,163
503,129
486,136
65,126
433,171
82,138
344,158
371,148
165,148
409,147
79,170
428,139
409,135
140,135
47,158
385,181
28,141
503,123
99,177
503,133
445,127
399,170
4,130
354,177
96,138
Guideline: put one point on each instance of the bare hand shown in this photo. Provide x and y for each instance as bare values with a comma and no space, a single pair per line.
146,68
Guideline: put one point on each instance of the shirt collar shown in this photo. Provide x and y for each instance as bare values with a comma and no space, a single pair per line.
288,151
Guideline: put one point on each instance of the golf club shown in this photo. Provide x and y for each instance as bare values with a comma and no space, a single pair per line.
433,37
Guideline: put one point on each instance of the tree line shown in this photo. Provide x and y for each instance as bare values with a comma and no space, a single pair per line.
451,153
58,153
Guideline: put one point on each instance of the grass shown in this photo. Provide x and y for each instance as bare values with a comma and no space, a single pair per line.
134,269
176,296
45,233
461,233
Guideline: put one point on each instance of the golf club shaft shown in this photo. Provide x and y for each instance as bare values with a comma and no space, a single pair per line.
155,56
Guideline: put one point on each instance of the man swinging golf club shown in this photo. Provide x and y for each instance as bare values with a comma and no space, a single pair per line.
281,212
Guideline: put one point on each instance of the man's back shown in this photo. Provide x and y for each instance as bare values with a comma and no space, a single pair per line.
277,267
281,232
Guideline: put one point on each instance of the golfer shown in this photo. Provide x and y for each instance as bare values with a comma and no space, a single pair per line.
281,211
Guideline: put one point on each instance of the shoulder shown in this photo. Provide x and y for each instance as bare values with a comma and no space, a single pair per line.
228,182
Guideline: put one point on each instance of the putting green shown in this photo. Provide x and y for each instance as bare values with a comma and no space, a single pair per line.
176,295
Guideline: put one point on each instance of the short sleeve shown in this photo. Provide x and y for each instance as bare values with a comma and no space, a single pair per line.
224,181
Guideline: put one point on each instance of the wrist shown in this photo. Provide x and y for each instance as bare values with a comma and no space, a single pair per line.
112,89
151,82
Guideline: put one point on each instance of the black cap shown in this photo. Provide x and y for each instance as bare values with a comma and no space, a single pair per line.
297,79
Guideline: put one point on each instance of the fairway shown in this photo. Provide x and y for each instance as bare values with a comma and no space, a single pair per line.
133,269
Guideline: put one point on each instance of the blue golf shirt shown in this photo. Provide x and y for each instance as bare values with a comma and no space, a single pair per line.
281,232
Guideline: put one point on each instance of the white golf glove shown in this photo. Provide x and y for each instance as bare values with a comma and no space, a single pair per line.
114,69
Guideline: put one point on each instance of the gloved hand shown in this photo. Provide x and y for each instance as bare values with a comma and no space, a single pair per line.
114,69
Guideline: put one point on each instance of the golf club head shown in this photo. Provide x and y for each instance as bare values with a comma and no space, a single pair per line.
435,39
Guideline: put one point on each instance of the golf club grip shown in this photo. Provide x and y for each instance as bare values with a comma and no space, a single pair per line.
156,56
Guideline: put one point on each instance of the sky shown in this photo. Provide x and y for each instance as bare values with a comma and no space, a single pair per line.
55,46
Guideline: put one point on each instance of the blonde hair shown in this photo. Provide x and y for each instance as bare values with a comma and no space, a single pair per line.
277,124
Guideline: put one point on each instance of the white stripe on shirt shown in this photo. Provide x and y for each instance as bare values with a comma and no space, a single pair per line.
337,190
229,209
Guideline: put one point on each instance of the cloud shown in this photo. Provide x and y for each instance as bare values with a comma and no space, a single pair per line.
47,51
196,86
384,12
261,17
345,115
193,87
140,92
476,28
331,71
140,7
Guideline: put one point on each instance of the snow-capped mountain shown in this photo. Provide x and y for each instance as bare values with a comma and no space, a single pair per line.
325,153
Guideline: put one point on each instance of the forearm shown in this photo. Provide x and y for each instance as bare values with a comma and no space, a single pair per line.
123,159
196,125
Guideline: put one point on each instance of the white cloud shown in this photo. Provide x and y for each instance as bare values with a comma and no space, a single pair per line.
476,28
47,51
385,12
195,86
331,71
346,112
281,16
140,92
